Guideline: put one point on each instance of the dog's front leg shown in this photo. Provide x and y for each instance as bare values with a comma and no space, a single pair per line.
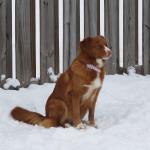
91,121
76,112
91,117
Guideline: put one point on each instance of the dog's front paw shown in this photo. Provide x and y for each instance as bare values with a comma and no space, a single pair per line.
67,125
81,126
90,123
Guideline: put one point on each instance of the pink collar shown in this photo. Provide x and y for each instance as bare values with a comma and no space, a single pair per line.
92,67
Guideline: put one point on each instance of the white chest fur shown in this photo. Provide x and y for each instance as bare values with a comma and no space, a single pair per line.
95,84
100,63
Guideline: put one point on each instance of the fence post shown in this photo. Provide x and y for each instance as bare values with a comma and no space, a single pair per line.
33,37
8,38
71,30
112,33
5,38
49,50
91,17
2,37
146,36
130,30
24,31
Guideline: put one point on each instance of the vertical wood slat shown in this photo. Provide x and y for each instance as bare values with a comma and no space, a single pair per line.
5,38
91,16
2,37
8,38
49,52
112,33
33,37
130,30
56,35
146,36
23,42
71,30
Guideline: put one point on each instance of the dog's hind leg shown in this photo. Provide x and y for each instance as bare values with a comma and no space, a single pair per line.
57,109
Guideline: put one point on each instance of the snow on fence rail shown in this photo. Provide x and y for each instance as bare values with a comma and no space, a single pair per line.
25,35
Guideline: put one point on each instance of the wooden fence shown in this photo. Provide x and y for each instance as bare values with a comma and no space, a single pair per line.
49,35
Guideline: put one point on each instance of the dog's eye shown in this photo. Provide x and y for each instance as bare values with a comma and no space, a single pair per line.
99,47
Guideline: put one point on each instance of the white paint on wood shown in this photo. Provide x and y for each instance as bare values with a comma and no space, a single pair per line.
102,18
60,36
37,12
13,41
140,5
121,33
81,20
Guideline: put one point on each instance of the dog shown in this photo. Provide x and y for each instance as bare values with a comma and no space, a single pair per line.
76,89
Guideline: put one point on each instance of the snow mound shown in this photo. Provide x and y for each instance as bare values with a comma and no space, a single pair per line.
11,83
3,77
131,71
51,74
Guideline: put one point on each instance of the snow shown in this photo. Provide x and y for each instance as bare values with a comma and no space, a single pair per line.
2,77
131,71
11,83
122,117
34,79
51,74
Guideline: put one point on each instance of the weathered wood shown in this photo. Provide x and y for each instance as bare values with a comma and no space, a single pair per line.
56,35
23,42
5,38
146,36
33,37
71,30
130,30
2,37
8,38
49,38
112,33
91,15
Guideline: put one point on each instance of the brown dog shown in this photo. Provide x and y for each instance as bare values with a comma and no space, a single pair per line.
76,90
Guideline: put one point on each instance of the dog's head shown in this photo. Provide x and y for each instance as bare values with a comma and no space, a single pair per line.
96,47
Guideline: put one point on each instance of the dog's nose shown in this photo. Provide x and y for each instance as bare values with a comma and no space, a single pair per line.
108,51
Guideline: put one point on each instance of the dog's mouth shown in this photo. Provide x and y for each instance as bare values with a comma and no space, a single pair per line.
106,58
108,55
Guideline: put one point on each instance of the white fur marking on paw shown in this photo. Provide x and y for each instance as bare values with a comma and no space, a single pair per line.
67,125
81,126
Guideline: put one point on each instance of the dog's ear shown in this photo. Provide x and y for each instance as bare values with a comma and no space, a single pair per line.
102,37
105,39
85,43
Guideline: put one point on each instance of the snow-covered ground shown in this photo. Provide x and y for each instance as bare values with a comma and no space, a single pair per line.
122,116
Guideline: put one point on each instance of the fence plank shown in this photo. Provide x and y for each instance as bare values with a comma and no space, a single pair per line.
91,16
8,38
112,33
2,37
49,53
33,37
56,35
146,36
71,30
23,42
5,38
130,31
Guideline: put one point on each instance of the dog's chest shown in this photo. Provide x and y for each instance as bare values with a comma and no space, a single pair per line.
95,84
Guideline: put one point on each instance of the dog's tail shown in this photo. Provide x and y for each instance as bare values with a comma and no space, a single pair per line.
32,118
